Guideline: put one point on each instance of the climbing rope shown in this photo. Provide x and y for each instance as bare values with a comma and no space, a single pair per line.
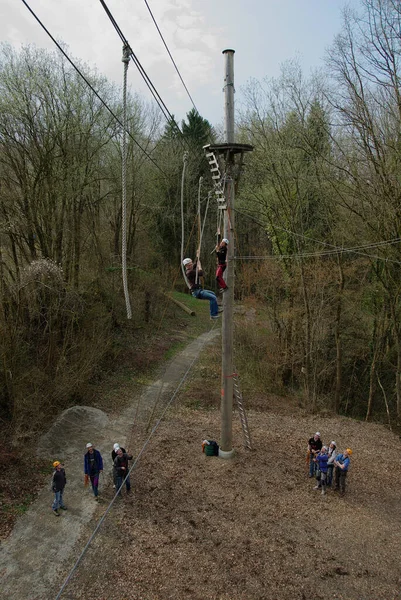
198,250
185,160
125,59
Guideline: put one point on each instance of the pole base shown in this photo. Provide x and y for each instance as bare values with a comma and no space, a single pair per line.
226,454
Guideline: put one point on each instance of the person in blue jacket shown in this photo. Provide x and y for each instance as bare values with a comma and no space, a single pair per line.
321,460
93,466
342,465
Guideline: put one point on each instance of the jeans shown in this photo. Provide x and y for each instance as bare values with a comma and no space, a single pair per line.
58,500
95,484
340,477
219,277
323,480
329,474
312,466
207,295
119,482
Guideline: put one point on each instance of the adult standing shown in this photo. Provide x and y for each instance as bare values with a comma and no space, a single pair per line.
221,252
342,464
321,459
332,453
93,466
122,470
58,484
314,447
193,271
116,447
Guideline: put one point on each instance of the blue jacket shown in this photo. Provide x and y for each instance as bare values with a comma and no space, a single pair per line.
97,465
343,461
322,461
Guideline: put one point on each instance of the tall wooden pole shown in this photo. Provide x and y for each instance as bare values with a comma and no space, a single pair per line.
226,439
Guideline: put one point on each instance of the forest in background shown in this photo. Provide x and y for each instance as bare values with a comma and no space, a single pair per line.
318,218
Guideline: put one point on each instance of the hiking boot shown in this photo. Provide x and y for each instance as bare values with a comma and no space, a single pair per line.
222,290
316,487
220,309
63,507
215,317
56,513
323,492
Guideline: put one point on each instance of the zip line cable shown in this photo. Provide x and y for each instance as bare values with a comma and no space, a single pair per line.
125,60
142,71
133,466
90,86
335,250
169,53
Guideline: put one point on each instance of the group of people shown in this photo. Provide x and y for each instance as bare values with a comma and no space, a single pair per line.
93,467
193,272
327,465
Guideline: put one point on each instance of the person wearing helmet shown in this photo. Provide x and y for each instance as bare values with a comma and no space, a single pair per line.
116,447
342,465
121,468
221,252
321,460
193,270
314,447
93,466
58,484
332,453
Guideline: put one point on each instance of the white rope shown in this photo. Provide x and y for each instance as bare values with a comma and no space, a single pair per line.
125,59
185,160
198,251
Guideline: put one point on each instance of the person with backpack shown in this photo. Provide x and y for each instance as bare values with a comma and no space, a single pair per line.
93,466
122,470
58,484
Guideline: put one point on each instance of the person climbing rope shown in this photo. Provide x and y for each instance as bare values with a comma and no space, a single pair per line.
221,252
193,271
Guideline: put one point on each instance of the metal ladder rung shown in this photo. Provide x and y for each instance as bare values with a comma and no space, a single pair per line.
242,413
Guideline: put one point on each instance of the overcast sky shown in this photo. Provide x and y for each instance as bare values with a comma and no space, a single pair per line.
263,33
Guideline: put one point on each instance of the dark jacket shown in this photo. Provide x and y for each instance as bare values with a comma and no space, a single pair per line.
315,445
191,276
93,467
114,453
59,480
121,464
222,255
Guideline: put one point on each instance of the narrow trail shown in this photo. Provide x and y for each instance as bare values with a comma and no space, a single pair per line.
41,545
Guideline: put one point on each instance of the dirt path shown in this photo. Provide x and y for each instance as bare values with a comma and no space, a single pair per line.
40,547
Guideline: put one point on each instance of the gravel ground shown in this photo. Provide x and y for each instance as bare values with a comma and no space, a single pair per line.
252,527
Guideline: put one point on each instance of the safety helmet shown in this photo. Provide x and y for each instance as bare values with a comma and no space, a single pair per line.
56,463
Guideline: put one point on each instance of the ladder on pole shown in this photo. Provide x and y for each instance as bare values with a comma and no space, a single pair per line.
242,413
216,176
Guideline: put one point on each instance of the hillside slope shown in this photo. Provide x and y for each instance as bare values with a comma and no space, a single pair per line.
252,528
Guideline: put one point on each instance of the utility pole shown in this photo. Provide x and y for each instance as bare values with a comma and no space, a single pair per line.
228,152
226,435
